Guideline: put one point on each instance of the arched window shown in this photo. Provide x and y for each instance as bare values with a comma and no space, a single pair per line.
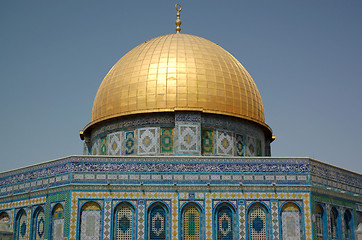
224,220
38,224
21,225
319,222
291,222
347,218
57,222
124,222
157,222
90,221
191,223
257,222
333,223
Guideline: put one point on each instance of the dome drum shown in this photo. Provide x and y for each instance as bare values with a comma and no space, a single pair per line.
178,133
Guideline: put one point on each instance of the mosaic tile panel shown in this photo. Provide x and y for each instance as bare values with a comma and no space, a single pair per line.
251,146
291,225
141,220
107,220
175,211
208,215
103,147
242,223
232,196
275,220
258,148
148,140
95,147
188,139
225,143
240,145
130,143
90,224
166,141
207,141
114,144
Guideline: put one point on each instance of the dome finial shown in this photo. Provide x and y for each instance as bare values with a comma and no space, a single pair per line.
178,21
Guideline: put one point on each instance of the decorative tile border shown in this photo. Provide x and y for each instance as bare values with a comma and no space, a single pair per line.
107,220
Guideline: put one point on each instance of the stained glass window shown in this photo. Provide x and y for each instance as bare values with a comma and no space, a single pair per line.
90,221
333,223
257,223
224,223
39,224
319,222
21,225
191,223
157,223
124,223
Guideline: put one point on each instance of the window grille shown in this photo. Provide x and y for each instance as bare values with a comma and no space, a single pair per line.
257,224
224,224
124,227
191,223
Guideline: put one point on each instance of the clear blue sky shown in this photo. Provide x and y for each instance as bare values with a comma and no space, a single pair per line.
305,57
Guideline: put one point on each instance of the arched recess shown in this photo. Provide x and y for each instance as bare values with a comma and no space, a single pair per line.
333,224
4,217
90,221
124,224
291,222
191,222
224,221
258,222
57,222
319,223
347,225
157,225
38,224
21,225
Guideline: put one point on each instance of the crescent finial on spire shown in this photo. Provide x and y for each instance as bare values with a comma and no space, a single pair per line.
178,21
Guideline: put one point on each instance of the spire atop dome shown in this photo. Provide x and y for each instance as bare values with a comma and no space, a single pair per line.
178,21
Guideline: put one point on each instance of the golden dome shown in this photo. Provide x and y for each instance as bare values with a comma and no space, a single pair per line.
178,72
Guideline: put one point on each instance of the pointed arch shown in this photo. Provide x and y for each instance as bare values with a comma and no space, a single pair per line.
21,225
157,228
347,225
90,221
319,222
258,222
124,228
57,222
38,226
224,222
333,223
291,221
191,221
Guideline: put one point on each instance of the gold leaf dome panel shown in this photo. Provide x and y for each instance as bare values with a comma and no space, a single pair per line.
178,72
